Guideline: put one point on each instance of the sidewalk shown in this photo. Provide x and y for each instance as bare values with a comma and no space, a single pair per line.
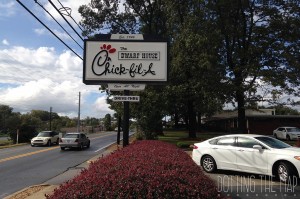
39,191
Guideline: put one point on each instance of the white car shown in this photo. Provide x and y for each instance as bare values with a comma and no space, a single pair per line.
250,153
287,133
74,140
45,138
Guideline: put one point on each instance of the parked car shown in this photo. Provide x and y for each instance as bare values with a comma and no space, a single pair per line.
287,133
249,153
74,140
46,138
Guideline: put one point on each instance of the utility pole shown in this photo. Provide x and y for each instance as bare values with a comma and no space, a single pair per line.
78,122
50,117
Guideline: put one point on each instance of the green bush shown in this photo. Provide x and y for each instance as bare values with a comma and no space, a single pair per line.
26,133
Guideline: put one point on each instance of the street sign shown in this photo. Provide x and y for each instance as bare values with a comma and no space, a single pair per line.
130,87
126,98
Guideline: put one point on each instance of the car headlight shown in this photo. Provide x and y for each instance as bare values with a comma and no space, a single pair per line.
297,157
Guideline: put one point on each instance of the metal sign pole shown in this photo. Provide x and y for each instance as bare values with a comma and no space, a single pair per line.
126,121
119,129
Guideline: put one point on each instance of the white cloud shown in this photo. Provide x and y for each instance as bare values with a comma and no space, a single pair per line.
61,35
5,42
74,5
102,107
40,78
40,31
7,8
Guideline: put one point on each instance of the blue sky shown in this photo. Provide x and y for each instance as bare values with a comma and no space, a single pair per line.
37,70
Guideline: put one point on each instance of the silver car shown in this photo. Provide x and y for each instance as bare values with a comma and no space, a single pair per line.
74,140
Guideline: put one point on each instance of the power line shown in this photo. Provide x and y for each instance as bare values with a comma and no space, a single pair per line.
65,19
69,14
48,28
58,23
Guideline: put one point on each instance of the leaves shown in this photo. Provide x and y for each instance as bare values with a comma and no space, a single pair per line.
145,169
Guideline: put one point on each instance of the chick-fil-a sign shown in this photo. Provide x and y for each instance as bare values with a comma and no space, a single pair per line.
125,61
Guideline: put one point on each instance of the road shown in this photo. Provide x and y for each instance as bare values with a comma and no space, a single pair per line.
25,166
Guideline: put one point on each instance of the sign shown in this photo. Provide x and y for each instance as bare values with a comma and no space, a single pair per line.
125,59
126,98
130,87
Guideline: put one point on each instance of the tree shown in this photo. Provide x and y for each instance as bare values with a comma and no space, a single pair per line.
260,46
5,112
138,17
195,70
284,110
26,132
107,122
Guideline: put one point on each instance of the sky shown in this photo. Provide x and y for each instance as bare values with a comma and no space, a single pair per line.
37,70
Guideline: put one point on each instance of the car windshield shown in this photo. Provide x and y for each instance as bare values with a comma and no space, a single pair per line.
293,129
274,143
44,134
71,136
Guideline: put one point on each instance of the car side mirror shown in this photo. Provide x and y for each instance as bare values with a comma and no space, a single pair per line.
257,147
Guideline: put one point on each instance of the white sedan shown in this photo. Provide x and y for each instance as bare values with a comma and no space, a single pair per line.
287,133
249,153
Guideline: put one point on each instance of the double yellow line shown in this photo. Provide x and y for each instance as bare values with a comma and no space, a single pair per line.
27,154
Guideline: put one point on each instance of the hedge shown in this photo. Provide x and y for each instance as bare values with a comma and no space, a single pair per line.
144,169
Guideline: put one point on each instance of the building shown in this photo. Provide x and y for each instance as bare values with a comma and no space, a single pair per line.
262,121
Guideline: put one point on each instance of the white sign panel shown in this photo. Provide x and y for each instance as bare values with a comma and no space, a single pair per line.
125,61
126,98
130,87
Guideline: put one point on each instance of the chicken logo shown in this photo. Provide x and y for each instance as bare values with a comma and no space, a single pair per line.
102,59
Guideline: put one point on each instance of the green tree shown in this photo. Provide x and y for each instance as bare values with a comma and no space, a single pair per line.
260,46
5,112
284,110
107,122
138,17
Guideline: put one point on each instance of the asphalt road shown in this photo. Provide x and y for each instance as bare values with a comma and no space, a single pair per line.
25,166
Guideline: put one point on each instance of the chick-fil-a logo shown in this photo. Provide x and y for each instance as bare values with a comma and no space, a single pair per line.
102,65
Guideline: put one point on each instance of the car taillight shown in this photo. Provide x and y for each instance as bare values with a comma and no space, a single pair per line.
76,140
195,147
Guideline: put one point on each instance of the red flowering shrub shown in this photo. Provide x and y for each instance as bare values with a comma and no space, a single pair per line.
144,169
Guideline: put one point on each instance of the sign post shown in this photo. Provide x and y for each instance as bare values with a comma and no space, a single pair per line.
126,121
126,62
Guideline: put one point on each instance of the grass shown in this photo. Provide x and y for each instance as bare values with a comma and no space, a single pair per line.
182,140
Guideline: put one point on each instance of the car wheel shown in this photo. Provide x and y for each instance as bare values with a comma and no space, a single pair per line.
288,138
88,145
275,135
81,146
49,143
208,164
57,141
32,145
284,172
62,148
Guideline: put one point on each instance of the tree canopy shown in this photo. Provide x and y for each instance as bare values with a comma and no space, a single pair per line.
220,51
